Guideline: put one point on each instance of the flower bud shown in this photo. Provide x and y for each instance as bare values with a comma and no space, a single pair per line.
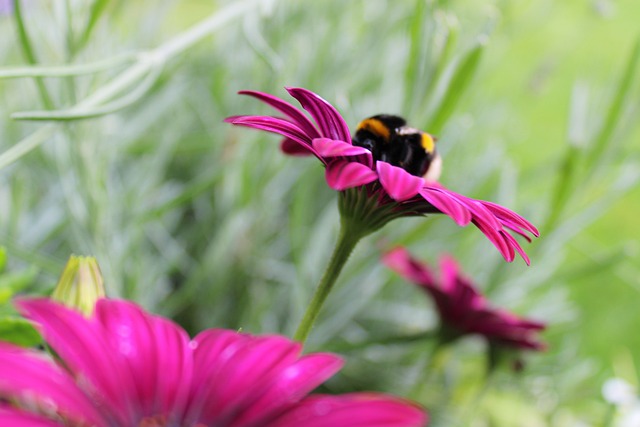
80,285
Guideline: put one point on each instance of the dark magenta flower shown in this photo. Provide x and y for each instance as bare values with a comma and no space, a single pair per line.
124,367
462,309
374,192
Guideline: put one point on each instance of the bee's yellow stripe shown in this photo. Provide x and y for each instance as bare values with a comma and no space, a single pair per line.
428,143
376,127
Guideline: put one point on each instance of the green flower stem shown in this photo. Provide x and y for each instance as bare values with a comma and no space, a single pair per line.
348,239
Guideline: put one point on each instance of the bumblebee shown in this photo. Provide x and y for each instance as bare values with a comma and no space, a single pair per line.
390,140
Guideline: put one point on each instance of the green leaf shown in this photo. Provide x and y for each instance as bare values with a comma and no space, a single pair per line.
19,331
15,282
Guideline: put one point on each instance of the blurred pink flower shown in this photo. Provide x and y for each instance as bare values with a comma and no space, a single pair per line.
125,367
379,191
462,309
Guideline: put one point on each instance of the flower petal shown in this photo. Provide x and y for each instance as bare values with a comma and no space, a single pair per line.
14,417
330,122
398,183
508,216
447,204
33,381
287,109
399,260
291,385
497,238
154,351
295,148
342,174
82,344
514,244
353,410
331,148
233,371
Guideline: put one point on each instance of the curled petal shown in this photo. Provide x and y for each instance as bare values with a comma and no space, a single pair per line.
331,148
289,130
287,109
510,217
330,122
447,205
341,175
398,183
514,244
497,238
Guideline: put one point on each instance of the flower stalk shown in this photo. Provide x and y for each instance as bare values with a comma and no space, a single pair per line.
347,241
360,216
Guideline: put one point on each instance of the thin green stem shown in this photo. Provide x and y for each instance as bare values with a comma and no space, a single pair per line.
134,73
28,52
347,240
78,113
68,70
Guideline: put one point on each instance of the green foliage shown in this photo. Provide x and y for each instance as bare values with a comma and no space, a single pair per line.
129,161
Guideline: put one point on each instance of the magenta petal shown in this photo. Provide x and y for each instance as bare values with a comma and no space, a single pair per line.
234,371
11,417
25,374
294,148
508,216
153,350
514,244
399,260
497,238
290,386
81,343
330,122
331,148
398,183
342,174
353,410
449,271
289,110
447,204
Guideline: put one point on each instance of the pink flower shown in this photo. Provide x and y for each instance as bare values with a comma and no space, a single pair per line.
462,309
374,191
125,367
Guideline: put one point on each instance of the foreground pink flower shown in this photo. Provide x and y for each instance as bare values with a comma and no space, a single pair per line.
374,192
124,367
462,309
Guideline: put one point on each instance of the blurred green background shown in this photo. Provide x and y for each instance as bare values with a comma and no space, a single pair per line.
535,104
